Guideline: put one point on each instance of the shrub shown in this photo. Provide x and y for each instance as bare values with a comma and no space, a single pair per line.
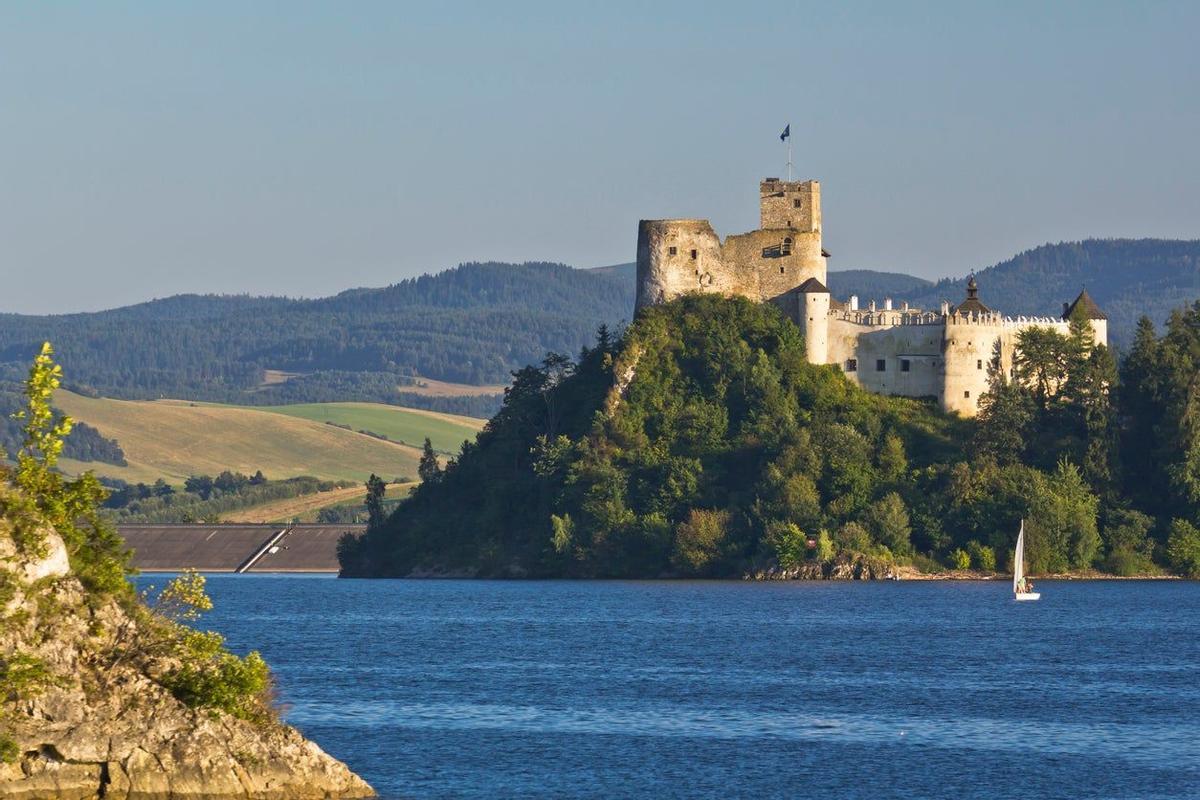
787,543
698,540
211,677
8,588
9,750
1129,546
982,556
1183,548
960,559
853,538
23,676
825,549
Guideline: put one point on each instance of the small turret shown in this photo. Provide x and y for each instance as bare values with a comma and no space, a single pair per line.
814,320
972,304
1085,305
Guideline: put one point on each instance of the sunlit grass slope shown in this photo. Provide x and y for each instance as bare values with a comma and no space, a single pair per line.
174,439
407,425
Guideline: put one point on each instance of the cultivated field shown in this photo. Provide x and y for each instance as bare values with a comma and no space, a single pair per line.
428,386
406,425
175,439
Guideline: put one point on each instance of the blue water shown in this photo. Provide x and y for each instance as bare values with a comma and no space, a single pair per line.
479,689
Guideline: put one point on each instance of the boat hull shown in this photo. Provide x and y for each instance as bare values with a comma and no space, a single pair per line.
1028,596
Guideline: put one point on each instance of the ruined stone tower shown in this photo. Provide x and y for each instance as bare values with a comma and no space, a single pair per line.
676,256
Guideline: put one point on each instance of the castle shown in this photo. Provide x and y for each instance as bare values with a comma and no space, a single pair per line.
899,351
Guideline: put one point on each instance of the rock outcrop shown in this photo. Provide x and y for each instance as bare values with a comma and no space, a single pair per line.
102,726
843,568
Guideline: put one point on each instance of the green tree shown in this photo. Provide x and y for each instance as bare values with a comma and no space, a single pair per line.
1005,415
1061,525
787,543
887,520
698,541
428,468
376,489
1040,362
71,507
1183,548
1128,546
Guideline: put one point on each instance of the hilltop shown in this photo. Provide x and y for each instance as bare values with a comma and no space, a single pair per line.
701,442
473,324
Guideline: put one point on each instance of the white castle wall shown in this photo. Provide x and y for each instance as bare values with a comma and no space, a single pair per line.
920,354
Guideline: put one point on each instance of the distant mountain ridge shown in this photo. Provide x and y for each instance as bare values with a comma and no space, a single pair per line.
1126,277
479,321
471,324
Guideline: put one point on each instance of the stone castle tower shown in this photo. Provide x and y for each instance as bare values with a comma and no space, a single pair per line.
675,256
899,351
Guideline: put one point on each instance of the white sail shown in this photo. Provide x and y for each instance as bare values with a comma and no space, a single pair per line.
1019,560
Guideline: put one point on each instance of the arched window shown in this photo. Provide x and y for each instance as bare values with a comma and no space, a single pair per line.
785,249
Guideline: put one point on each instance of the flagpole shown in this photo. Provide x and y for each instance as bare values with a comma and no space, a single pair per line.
789,164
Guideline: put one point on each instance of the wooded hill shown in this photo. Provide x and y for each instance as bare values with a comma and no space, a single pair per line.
472,324
701,442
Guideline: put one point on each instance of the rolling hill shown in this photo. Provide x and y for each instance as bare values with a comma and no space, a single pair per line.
176,439
473,324
476,323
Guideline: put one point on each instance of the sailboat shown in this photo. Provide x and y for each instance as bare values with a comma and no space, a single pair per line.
1020,585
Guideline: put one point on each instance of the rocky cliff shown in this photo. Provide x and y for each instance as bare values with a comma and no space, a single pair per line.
82,717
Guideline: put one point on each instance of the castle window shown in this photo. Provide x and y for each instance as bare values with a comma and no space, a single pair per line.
781,270
693,255
672,251
967,395
979,363
796,203
786,248
851,365
905,364
880,365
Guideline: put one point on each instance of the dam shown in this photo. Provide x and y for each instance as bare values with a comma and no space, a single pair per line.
238,548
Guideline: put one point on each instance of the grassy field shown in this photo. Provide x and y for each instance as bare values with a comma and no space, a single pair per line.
305,508
405,425
175,439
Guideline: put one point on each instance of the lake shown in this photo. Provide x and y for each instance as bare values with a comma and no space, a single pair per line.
484,689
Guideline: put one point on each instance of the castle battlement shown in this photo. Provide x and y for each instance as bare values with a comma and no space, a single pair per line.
900,351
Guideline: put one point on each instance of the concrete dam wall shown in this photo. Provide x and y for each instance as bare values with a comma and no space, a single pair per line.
236,547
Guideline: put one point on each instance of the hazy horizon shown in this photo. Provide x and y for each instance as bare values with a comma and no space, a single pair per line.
302,149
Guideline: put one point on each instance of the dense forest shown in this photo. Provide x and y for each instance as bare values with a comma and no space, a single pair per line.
473,324
701,443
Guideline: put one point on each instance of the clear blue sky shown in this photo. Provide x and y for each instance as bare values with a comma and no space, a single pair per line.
303,148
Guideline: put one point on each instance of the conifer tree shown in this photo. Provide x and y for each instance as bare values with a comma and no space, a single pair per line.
428,468
1005,414
376,488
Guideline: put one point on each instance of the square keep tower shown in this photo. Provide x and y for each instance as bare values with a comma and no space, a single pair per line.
790,204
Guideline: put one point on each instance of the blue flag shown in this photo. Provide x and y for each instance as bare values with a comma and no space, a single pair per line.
787,131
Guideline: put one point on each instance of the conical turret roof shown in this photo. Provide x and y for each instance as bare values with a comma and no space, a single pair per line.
1087,305
813,286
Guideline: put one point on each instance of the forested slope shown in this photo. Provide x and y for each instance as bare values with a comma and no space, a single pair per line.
702,443
473,324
